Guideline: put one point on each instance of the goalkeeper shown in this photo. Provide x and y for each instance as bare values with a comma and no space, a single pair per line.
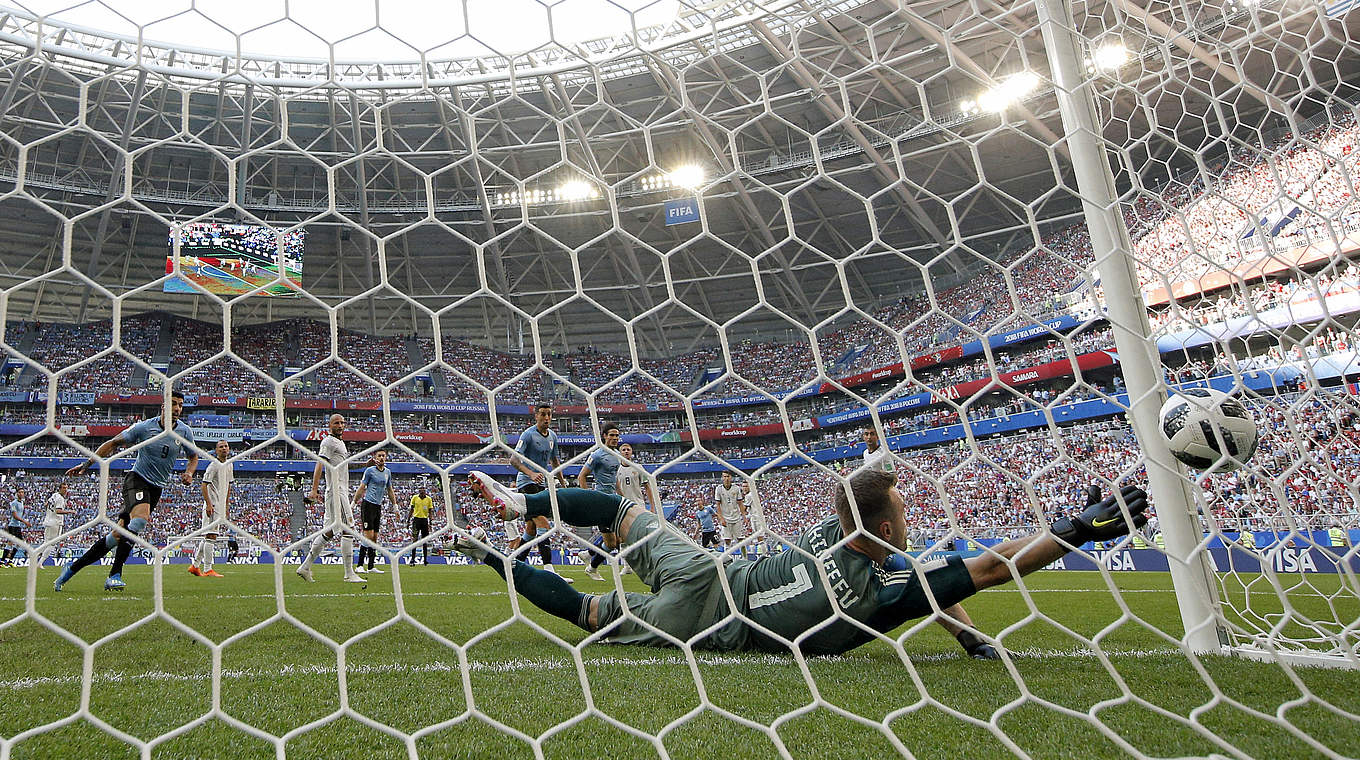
867,586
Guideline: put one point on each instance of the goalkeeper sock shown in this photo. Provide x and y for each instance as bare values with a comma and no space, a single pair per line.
578,506
546,591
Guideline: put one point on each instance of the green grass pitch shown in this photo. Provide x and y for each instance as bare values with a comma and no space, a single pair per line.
155,679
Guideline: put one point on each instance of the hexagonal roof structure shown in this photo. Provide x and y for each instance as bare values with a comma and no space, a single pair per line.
843,161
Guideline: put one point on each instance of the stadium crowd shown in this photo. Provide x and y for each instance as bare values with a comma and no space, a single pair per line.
1305,474
1183,230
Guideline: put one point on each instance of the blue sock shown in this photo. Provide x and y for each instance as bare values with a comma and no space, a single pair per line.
135,526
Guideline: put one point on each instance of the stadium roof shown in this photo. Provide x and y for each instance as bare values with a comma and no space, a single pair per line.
832,139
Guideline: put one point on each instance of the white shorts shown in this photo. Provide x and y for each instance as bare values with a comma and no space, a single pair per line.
758,524
50,533
210,522
339,509
732,530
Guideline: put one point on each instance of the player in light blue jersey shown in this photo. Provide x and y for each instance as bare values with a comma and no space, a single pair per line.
15,527
535,457
603,464
604,461
376,483
708,533
164,439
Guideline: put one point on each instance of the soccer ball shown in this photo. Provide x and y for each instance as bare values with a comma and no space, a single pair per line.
1208,428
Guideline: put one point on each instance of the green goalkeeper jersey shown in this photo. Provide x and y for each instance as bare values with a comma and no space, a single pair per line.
787,595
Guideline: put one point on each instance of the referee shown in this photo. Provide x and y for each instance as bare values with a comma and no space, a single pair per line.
420,523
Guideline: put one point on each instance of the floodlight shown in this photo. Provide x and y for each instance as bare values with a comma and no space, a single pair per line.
689,176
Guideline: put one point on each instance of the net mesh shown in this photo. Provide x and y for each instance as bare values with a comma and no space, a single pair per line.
751,234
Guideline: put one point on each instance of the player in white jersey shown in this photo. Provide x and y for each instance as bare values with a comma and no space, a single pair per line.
876,455
54,520
756,514
216,490
727,496
339,512
635,483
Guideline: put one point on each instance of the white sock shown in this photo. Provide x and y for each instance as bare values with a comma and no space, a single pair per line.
318,544
207,549
347,554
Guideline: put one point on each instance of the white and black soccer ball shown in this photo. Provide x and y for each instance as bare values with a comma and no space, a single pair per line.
1208,428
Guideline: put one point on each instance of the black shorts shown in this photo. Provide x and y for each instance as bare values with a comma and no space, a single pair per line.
531,488
370,515
420,526
15,530
137,491
709,538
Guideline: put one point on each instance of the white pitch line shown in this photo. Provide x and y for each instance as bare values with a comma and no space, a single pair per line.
135,597
289,595
439,666
1076,591
229,274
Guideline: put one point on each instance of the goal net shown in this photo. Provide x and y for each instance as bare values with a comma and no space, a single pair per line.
775,245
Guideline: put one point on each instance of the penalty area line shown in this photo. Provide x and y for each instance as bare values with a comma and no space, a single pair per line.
516,666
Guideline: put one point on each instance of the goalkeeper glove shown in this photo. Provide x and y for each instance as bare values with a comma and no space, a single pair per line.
1092,495
976,647
1103,519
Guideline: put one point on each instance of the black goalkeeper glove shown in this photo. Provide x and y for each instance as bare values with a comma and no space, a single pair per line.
1092,495
1103,519
976,647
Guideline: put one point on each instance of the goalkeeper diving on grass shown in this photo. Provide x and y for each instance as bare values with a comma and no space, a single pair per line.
830,595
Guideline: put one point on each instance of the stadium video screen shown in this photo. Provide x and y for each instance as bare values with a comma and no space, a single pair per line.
234,259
